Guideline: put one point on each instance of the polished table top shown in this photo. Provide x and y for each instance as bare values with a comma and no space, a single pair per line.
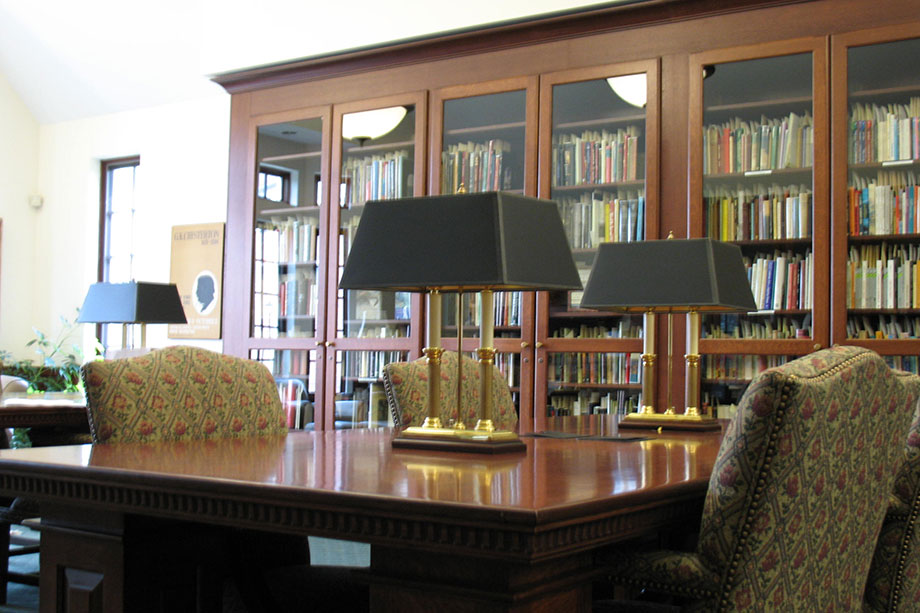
448,531
554,479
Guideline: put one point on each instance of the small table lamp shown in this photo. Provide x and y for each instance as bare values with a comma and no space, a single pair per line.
481,242
132,303
669,276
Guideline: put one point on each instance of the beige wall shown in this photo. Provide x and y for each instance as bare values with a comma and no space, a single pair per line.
50,254
18,179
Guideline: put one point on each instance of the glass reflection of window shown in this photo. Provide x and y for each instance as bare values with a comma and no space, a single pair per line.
274,185
265,282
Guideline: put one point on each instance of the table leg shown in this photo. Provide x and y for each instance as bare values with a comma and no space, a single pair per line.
409,580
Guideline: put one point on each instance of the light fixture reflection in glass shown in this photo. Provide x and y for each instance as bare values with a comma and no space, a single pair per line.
631,88
368,125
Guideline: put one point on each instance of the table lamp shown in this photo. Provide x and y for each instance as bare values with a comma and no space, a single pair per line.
485,242
132,303
669,276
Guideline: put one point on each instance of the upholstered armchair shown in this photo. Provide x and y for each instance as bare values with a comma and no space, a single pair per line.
894,578
406,385
798,492
180,393
184,393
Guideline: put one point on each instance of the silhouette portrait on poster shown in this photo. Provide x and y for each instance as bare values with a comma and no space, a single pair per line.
205,292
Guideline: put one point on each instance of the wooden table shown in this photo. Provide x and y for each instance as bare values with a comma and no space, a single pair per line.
448,531
52,417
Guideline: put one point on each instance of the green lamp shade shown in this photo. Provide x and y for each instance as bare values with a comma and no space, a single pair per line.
469,242
673,275
133,302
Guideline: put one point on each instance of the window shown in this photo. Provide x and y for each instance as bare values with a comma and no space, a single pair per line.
117,232
274,185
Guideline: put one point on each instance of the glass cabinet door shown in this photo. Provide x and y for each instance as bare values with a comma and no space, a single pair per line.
376,157
758,171
289,257
288,242
600,162
877,222
483,139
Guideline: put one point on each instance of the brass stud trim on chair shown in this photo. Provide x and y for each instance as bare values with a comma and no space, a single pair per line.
895,597
789,388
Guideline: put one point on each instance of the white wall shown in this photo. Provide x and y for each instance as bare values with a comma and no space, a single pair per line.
184,155
18,179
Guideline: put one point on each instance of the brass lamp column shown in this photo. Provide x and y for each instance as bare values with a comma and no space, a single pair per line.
481,242
692,358
648,363
669,276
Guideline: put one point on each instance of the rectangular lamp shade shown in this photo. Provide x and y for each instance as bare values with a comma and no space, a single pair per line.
469,242
669,276
133,302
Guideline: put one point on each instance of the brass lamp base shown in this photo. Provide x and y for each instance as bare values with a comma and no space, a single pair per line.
456,439
673,421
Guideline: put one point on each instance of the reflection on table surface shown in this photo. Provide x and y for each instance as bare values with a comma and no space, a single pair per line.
45,399
552,474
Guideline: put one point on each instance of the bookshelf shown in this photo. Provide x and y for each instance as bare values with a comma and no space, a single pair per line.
481,138
877,156
750,154
758,176
599,165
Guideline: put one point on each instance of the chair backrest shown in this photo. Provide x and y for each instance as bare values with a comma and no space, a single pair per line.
799,489
180,393
406,385
894,578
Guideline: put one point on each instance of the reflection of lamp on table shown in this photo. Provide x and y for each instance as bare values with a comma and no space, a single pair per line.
132,303
669,276
481,242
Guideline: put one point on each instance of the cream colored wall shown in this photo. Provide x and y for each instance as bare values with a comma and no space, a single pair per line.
18,179
183,180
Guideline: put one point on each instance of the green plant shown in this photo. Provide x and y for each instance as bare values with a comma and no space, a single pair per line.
58,366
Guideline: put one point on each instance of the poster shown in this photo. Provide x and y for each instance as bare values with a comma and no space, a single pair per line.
196,267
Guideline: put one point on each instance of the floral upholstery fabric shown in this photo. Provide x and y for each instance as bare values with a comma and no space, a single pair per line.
798,491
406,386
180,393
894,578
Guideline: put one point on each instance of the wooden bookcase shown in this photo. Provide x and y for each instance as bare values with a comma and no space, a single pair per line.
534,90
875,72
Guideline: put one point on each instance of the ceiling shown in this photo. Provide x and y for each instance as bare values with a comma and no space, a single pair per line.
68,60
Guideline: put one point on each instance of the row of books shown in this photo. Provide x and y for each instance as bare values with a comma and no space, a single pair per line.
506,309
781,280
887,204
375,177
510,366
288,363
601,217
596,156
884,132
619,402
478,167
298,239
757,213
883,276
582,367
370,405
295,400
737,367
368,364
735,326
883,326
297,293
626,327
907,363
739,146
